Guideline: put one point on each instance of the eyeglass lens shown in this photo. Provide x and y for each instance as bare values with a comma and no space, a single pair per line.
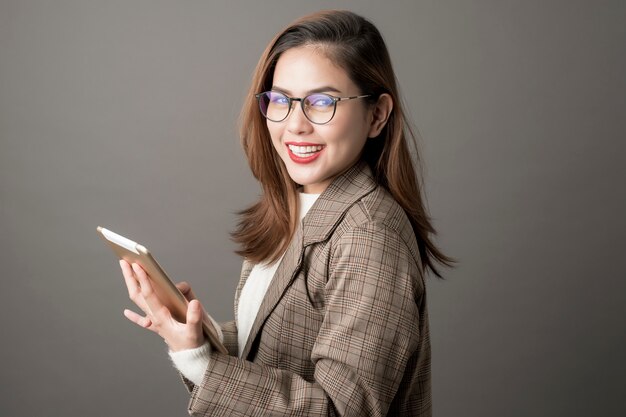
318,108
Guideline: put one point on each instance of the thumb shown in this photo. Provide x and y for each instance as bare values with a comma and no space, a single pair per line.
194,313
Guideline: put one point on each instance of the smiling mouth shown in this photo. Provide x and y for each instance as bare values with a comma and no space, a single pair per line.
304,154
305,151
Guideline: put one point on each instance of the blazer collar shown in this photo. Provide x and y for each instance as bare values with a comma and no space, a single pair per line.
321,220
332,204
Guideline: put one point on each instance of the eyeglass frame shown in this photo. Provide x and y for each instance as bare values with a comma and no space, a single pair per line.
301,100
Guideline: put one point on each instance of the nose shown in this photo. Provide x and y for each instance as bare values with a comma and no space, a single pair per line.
297,123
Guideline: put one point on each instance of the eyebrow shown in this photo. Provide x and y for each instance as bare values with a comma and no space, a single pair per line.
326,88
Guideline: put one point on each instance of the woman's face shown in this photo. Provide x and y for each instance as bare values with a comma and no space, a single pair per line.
333,147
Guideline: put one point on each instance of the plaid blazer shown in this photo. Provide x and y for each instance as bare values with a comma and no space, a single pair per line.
343,327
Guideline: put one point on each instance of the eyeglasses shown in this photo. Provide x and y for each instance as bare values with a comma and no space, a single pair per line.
318,108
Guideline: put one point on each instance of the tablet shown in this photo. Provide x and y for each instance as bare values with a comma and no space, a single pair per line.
170,296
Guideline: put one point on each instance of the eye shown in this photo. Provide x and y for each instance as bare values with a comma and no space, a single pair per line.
319,100
277,98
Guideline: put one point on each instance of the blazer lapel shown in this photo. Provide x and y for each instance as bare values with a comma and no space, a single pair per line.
287,269
246,268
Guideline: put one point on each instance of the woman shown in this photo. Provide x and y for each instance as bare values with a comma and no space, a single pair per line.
330,310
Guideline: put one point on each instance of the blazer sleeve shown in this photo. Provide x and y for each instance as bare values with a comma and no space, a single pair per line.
368,333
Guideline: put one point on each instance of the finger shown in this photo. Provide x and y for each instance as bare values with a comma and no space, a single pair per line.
185,288
127,272
157,310
194,323
144,322
194,313
129,278
134,290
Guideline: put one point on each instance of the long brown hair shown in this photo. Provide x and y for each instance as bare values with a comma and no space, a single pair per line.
354,44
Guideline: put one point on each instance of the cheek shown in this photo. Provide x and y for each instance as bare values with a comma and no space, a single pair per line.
355,120
348,132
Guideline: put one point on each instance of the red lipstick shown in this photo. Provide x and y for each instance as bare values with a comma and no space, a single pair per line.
307,159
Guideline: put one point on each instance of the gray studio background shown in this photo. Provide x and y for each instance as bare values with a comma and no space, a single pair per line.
123,114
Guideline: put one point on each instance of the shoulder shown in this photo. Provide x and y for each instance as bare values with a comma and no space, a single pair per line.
378,219
375,242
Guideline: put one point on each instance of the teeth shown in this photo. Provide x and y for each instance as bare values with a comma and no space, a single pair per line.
303,150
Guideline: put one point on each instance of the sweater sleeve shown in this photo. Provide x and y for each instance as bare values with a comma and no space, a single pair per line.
192,362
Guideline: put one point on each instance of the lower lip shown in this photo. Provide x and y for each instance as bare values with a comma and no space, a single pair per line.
300,160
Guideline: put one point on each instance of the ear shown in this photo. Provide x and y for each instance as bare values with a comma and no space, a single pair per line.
380,114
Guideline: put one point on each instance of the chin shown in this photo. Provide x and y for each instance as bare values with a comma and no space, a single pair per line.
303,181
298,174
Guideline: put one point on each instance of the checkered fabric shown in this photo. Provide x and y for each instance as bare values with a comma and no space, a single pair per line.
343,328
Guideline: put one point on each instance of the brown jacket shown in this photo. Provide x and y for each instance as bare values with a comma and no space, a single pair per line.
343,327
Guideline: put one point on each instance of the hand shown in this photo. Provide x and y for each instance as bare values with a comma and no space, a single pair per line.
158,318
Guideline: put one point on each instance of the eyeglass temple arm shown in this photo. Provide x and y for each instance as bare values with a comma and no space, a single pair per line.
352,97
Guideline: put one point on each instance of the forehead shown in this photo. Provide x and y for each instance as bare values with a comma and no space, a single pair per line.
305,68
